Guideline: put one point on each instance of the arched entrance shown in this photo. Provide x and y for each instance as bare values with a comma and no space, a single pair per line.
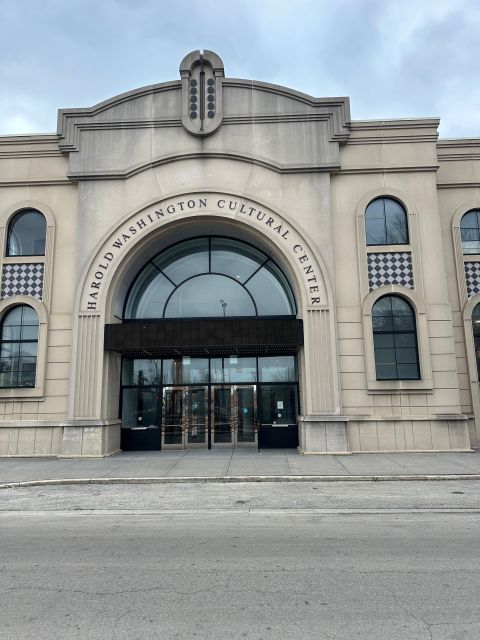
209,340
140,236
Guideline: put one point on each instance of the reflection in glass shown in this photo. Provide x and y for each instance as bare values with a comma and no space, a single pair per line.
173,402
385,222
235,259
222,415
278,404
141,371
395,339
470,230
209,277
184,260
246,429
194,370
148,295
476,335
26,234
18,347
277,369
209,296
185,370
271,292
140,408
197,416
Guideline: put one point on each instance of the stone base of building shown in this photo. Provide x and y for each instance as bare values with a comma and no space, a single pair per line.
342,435
323,434
61,440
415,433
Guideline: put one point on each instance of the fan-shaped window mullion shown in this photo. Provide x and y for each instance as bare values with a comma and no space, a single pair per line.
229,263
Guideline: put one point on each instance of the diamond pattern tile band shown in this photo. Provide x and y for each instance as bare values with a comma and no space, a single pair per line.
472,278
390,268
22,280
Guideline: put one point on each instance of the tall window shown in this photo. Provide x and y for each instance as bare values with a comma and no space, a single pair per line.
26,234
470,230
395,339
207,278
476,335
385,222
18,347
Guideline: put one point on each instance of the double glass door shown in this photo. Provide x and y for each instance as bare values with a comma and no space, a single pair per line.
216,416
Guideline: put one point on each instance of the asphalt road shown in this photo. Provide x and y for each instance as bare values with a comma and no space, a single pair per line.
272,561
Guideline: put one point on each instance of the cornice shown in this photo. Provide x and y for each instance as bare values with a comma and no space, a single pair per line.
28,139
458,185
36,183
393,139
30,153
395,123
391,169
461,143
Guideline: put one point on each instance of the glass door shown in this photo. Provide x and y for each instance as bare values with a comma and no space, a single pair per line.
173,419
196,425
245,422
221,426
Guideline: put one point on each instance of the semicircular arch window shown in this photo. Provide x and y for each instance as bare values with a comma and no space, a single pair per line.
210,277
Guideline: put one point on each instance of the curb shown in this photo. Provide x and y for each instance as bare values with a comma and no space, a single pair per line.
233,479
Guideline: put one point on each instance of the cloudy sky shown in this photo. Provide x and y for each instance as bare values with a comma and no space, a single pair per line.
394,58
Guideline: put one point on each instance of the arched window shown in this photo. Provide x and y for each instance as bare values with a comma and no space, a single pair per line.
210,277
385,222
395,339
26,234
18,347
470,230
476,335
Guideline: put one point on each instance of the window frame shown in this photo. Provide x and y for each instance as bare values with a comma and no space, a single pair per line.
9,230
393,333
475,210
425,383
264,264
36,392
18,342
384,199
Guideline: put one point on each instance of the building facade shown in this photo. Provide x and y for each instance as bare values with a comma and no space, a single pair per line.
214,262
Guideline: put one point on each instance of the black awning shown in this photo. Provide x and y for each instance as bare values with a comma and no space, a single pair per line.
211,336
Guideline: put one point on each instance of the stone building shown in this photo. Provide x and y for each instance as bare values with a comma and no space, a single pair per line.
214,262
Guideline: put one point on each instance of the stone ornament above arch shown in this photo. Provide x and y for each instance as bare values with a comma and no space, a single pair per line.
202,101
308,269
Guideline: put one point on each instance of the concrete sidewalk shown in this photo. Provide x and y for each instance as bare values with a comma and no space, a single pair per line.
239,465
